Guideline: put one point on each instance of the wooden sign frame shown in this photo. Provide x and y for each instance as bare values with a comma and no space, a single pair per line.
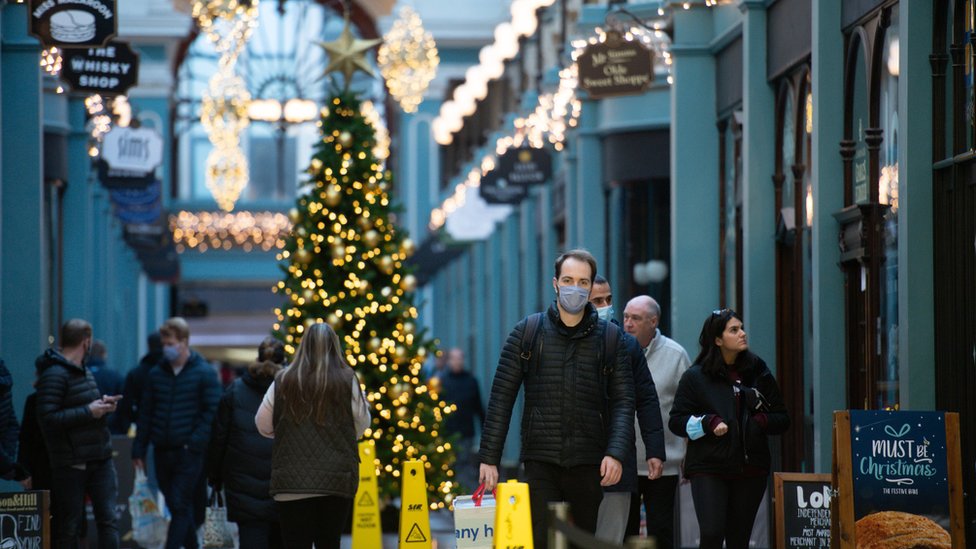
778,512
842,506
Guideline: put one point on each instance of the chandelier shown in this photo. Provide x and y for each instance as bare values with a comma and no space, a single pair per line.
408,59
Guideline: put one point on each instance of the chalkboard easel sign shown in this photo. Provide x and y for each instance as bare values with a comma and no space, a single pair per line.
802,510
25,519
898,475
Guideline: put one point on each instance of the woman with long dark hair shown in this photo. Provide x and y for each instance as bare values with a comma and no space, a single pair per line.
726,404
315,411
239,458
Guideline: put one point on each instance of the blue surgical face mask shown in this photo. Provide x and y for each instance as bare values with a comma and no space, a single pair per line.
573,299
605,313
171,352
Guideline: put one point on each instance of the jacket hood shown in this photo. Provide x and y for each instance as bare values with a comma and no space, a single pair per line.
52,357
258,383
590,320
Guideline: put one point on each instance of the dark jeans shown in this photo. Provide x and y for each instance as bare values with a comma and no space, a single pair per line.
658,496
178,472
318,520
259,534
99,481
726,509
579,486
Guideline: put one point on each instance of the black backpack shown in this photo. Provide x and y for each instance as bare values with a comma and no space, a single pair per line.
608,351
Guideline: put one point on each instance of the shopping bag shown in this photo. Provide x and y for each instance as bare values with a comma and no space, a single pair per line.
216,533
149,523
474,520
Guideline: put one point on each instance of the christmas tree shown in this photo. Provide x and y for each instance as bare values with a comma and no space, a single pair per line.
344,264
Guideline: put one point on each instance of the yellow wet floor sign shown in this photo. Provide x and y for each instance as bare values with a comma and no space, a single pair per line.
414,514
366,532
513,517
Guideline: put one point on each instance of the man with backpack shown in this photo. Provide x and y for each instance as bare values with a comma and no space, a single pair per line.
578,419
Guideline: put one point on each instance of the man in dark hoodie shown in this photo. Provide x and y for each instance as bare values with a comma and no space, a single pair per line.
176,413
136,379
108,380
73,418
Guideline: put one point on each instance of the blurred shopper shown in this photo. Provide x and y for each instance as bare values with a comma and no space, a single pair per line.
667,361
239,458
578,421
32,451
315,411
460,388
109,382
611,522
74,422
726,405
136,379
10,468
176,413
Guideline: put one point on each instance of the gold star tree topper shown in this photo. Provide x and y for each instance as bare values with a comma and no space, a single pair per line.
347,54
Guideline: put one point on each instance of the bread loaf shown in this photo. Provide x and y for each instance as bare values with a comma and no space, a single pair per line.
897,530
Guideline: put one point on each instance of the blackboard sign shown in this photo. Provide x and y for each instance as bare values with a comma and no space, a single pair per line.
73,23
25,520
802,510
525,166
110,70
496,189
897,474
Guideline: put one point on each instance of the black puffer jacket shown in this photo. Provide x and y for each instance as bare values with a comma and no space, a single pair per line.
64,391
745,443
9,468
239,458
573,415
178,410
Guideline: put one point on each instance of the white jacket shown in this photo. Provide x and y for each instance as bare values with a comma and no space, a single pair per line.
667,361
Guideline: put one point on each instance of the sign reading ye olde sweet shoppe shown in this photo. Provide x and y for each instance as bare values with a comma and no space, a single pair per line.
615,66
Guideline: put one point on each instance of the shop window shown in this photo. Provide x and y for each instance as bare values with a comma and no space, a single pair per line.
730,204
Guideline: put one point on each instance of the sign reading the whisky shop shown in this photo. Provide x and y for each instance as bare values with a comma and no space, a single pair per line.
111,70
615,67
73,23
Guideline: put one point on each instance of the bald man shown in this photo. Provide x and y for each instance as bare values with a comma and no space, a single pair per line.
667,361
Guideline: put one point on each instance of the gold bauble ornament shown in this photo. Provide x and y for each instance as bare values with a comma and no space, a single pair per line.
308,294
386,264
338,251
402,412
332,196
345,139
374,344
401,352
407,247
309,322
386,291
409,328
395,391
315,165
434,384
422,352
300,231
408,283
334,321
294,216
371,238
303,256
365,223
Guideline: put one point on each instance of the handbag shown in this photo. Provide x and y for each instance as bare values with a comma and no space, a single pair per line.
474,520
216,532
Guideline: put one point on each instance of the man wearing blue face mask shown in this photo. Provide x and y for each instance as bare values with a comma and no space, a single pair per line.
615,507
577,424
177,410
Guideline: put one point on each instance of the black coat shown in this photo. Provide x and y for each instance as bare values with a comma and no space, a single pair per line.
72,434
745,443
573,414
177,411
239,458
9,469
135,382
648,416
462,390
32,451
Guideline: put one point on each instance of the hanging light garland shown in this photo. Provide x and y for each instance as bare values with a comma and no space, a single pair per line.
246,231
408,59
228,24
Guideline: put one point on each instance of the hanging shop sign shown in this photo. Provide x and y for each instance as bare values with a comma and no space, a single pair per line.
525,166
138,205
109,70
897,472
73,23
138,150
113,178
615,67
496,189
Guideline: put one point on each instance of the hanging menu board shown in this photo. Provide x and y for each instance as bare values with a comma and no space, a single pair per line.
898,475
802,510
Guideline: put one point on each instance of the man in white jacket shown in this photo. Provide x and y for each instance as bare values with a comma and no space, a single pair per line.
667,360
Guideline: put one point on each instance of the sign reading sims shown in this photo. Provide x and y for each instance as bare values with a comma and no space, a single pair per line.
110,70
73,23
138,150
525,166
615,67
899,463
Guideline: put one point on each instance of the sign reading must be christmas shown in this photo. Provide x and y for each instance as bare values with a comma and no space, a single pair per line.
110,70
73,23
615,67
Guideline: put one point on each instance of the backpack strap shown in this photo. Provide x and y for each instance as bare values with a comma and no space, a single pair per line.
530,336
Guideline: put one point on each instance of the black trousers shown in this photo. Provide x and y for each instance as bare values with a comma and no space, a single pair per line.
658,497
726,509
578,486
318,520
258,534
